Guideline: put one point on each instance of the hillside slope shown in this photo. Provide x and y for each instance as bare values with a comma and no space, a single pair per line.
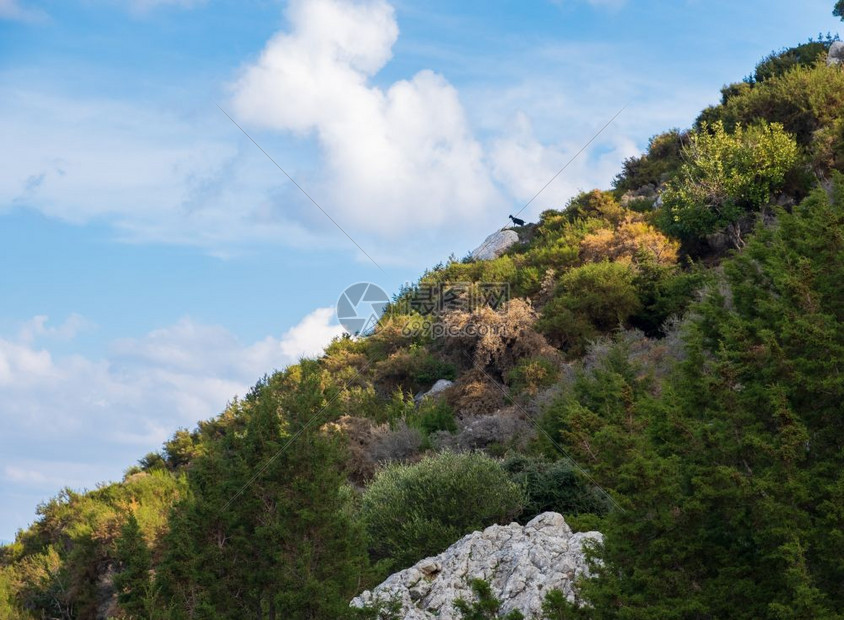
668,371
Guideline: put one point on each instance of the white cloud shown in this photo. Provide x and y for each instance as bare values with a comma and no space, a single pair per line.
310,336
155,175
398,158
523,163
88,419
14,10
37,327
411,169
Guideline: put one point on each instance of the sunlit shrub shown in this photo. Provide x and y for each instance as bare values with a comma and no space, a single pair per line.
415,511
594,204
632,240
532,374
726,176
495,339
803,100
779,63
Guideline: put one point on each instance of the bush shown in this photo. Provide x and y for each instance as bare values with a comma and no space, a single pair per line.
395,444
533,374
633,240
594,204
726,176
415,511
434,414
475,394
485,606
495,434
495,339
662,160
666,293
590,300
804,100
413,368
780,63
553,486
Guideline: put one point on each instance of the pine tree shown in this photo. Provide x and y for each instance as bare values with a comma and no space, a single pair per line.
738,509
132,581
266,532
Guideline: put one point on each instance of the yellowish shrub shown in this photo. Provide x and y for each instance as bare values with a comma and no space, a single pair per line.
632,239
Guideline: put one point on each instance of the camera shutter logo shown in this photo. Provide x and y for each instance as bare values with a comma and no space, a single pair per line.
360,307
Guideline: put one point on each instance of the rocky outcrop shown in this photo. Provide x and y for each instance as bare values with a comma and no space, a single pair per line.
521,563
440,386
496,244
836,54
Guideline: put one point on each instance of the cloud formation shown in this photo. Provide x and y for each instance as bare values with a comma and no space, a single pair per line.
392,154
412,169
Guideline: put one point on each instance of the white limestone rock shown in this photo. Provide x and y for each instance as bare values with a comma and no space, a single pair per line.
520,563
836,54
496,244
440,386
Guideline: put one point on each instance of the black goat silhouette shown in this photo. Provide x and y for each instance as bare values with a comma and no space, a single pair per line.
517,221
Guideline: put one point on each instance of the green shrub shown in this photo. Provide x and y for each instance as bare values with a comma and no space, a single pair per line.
553,486
557,607
804,100
594,204
8,606
662,160
485,606
726,175
532,374
665,292
780,63
413,368
415,511
592,299
433,414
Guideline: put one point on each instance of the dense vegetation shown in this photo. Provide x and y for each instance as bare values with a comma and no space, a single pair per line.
680,338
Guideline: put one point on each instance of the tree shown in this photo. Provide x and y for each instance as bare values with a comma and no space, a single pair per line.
838,11
737,508
266,531
132,580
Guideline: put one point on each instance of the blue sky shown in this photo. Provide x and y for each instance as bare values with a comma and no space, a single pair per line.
155,264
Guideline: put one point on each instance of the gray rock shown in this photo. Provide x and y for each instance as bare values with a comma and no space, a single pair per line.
496,244
836,54
440,386
521,564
